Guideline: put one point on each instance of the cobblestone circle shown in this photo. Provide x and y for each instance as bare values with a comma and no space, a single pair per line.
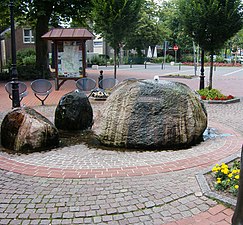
151,199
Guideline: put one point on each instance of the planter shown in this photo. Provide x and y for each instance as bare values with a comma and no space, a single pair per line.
210,192
229,101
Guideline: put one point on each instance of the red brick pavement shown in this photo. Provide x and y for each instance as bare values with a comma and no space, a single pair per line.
217,215
232,145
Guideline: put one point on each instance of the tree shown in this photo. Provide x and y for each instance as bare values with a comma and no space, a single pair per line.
115,20
169,22
43,13
147,32
211,23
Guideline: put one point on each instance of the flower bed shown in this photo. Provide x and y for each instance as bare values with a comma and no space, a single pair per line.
226,177
215,96
99,94
221,189
217,64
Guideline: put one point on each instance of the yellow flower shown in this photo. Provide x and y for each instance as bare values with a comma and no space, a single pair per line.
215,169
236,186
218,180
234,171
237,177
225,171
230,175
223,165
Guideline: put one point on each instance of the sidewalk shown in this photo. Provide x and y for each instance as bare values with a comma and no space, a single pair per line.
86,185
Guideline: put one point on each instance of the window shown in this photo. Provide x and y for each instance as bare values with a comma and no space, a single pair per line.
28,36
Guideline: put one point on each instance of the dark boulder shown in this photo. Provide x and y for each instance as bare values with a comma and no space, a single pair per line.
74,112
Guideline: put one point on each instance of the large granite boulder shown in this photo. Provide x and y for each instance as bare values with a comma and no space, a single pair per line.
74,112
25,130
148,114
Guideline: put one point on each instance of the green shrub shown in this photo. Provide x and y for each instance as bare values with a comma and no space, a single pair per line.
4,76
28,72
187,58
210,94
29,60
26,56
157,60
98,60
219,58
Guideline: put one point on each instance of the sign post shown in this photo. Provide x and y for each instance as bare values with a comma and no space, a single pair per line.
175,49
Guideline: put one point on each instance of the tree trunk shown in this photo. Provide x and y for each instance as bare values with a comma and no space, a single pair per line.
211,72
115,56
41,44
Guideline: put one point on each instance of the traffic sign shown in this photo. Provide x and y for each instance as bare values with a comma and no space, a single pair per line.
175,47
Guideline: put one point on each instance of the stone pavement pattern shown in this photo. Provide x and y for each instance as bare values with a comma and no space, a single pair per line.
161,198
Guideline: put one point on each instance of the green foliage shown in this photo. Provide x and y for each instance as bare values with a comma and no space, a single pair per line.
4,76
158,60
28,72
115,20
26,56
211,23
147,31
97,60
210,93
219,58
40,14
187,58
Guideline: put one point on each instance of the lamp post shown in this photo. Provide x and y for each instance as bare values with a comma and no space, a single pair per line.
14,73
202,71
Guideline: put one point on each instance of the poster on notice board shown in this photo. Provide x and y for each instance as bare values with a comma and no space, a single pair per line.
70,59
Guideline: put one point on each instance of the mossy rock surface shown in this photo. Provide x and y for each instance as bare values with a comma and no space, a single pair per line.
151,115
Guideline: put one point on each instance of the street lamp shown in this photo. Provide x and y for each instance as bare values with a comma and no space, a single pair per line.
14,73
202,71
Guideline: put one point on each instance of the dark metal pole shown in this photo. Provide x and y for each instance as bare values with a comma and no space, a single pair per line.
237,218
14,73
100,78
202,71
131,63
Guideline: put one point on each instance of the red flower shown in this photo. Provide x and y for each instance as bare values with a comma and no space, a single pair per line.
230,97
203,97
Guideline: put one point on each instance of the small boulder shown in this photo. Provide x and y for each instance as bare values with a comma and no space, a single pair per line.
25,130
74,112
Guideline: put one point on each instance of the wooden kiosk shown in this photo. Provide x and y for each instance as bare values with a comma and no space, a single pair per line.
69,53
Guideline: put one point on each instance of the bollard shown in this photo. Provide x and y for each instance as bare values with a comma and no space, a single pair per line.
100,78
179,66
162,65
145,64
130,63
237,218
214,67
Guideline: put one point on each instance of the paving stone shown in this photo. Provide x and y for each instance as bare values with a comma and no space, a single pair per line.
106,218
78,221
97,219
66,221
56,221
